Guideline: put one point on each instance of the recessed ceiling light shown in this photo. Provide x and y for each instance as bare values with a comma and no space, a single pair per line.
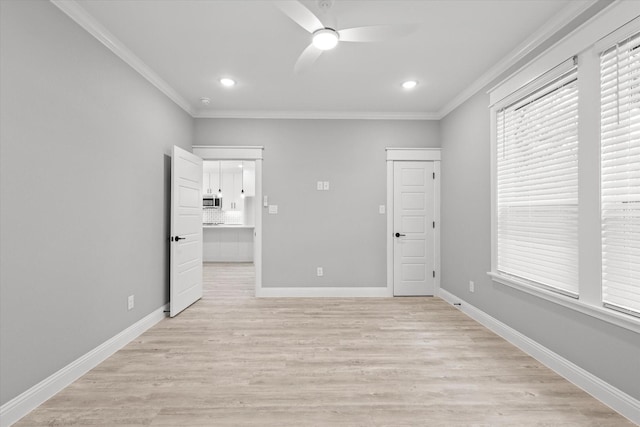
409,84
205,101
325,39
225,81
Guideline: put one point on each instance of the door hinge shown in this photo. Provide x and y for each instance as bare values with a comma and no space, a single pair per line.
434,273
434,175
434,224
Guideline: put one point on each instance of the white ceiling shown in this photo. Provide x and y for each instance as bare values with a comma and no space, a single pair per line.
185,46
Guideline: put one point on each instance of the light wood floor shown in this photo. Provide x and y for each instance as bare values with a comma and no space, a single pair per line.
234,360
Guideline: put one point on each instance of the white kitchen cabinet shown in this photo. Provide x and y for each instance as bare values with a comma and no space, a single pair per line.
249,174
210,179
227,244
206,184
231,190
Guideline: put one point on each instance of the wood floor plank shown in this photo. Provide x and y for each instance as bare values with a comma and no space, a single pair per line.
235,360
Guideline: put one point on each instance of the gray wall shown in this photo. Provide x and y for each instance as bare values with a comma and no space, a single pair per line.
609,352
84,175
341,229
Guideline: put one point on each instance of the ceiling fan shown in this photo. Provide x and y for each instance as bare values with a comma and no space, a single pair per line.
326,37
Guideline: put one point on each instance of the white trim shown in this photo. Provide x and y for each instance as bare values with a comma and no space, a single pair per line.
620,34
78,14
502,98
257,231
610,316
317,115
436,230
413,154
395,154
616,399
555,24
221,152
582,38
390,226
580,42
18,407
494,184
322,292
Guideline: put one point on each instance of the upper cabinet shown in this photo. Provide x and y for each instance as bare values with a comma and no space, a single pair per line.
231,190
210,177
236,176
249,176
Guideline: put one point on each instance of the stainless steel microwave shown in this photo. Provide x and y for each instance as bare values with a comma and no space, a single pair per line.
211,202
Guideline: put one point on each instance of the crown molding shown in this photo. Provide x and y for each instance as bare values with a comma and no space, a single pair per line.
315,115
78,14
562,18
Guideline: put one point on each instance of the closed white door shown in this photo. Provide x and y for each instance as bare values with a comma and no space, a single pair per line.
186,230
413,222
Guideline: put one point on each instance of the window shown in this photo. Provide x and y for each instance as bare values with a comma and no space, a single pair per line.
620,174
565,171
537,186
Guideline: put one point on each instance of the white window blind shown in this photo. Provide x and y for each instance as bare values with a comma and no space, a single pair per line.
620,175
537,186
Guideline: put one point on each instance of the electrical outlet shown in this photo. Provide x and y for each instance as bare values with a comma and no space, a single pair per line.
382,209
326,185
320,272
319,186
472,286
273,209
131,302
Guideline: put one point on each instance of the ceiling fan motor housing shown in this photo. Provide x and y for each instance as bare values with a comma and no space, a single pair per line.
325,5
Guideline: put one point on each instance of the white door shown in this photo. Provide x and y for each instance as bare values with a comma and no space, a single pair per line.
413,228
186,230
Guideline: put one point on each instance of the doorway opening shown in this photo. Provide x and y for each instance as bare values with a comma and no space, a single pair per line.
232,208
228,211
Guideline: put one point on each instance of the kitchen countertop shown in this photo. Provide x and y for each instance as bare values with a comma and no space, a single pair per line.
227,226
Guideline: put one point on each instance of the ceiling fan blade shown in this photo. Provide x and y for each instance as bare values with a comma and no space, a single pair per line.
376,33
306,59
300,15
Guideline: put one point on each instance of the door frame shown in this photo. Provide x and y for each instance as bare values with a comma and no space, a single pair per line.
248,153
414,155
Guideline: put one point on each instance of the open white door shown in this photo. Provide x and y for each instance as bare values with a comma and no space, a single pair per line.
186,230
413,223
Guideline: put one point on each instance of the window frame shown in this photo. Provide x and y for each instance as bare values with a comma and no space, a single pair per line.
586,43
549,78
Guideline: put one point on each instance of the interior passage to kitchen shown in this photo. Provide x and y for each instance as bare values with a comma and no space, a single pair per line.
228,210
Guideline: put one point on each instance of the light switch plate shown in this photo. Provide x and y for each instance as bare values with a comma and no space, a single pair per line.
326,185
319,186
273,209
265,201
382,209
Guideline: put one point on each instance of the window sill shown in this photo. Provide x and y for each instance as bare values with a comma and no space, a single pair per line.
610,316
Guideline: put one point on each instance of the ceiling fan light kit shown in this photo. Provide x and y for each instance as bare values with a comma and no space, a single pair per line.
325,38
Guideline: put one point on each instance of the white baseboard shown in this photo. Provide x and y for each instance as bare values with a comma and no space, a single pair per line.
18,407
329,292
596,387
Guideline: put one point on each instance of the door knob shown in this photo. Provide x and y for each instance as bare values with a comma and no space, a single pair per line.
179,238
400,235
